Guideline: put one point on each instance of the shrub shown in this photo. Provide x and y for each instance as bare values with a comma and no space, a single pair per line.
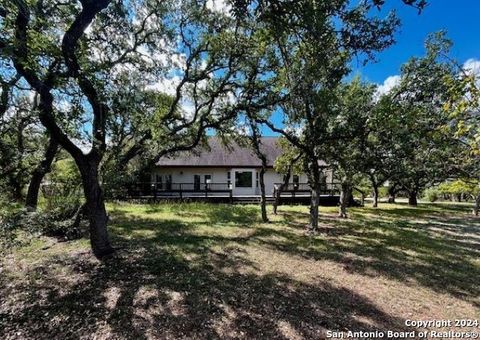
63,222
8,211
431,194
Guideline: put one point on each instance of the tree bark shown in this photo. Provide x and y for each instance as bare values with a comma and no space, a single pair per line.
95,207
412,198
344,199
278,191
40,171
375,185
263,199
16,187
375,195
314,204
476,207
315,185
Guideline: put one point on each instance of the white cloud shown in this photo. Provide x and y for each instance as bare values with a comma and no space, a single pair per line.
166,85
387,85
220,6
472,67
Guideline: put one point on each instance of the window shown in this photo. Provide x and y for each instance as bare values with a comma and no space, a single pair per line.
208,182
296,182
229,179
256,179
243,179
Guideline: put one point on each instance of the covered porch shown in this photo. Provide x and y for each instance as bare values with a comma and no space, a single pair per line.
296,193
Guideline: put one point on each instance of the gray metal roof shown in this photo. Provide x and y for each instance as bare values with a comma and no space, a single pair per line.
219,155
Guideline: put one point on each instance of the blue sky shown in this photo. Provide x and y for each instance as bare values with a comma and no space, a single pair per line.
459,18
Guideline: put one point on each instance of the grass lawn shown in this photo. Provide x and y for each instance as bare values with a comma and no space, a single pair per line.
215,271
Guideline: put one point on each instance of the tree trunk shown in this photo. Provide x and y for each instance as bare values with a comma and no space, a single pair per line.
476,207
278,191
314,203
16,186
344,199
362,196
263,200
40,171
375,195
412,198
392,193
315,185
95,207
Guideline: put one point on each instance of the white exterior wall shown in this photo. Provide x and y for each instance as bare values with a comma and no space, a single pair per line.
219,175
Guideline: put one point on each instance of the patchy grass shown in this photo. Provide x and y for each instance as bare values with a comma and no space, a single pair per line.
215,271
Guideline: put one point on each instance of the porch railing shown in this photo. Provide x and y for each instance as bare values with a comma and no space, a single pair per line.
157,189
293,188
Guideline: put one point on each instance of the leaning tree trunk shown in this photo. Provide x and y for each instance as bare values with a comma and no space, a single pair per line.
412,198
278,191
263,199
95,208
40,171
476,207
344,199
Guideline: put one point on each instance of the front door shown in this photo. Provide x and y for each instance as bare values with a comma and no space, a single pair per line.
244,182
196,182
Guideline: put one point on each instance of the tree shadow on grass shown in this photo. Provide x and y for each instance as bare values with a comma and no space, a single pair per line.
437,251
421,210
152,293
171,280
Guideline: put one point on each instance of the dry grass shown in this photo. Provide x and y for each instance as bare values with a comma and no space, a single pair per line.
215,271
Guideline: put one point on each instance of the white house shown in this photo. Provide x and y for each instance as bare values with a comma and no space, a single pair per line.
219,169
